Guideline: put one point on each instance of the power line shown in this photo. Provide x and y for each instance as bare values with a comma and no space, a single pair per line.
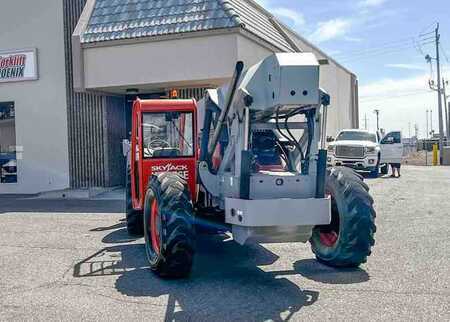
392,46
382,51
426,39
375,54
432,25
386,97
388,45
409,41
444,52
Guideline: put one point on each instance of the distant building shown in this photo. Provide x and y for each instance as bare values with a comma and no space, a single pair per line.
71,69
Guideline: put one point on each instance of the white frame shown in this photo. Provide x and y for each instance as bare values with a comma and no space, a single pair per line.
23,50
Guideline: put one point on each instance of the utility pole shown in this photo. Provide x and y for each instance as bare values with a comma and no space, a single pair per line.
447,120
365,121
426,143
438,89
377,112
441,124
431,123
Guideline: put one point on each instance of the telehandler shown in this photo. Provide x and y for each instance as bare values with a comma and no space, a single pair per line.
249,160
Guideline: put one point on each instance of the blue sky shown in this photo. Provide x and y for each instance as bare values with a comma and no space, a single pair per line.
379,41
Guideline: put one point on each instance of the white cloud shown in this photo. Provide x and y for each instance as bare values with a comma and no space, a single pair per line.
293,16
353,39
331,29
406,66
371,3
388,87
402,102
264,3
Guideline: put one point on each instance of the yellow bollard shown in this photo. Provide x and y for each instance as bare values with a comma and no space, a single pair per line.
435,154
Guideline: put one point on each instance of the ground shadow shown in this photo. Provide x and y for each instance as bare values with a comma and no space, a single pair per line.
119,236
28,204
226,282
388,177
112,227
316,271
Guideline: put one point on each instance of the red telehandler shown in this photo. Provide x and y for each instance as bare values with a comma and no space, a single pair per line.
249,160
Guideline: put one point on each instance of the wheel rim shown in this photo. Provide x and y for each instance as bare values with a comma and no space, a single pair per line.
328,239
329,234
155,224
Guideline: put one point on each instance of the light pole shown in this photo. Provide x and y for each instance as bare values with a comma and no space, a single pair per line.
377,112
447,119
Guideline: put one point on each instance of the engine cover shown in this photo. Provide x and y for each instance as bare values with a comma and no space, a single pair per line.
283,80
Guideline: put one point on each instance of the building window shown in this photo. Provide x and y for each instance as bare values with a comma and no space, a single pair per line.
8,159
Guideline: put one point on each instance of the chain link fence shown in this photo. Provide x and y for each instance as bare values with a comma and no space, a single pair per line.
424,152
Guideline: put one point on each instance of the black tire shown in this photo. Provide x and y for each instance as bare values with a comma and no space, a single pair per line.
352,222
384,169
176,232
376,172
134,218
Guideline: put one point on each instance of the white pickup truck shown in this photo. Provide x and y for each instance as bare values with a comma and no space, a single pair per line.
366,151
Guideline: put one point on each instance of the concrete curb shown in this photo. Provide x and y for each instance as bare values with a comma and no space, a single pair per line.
113,193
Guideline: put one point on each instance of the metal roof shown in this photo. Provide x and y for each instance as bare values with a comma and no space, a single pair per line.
258,22
129,19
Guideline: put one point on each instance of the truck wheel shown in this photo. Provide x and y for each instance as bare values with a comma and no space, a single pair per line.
135,225
169,226
348,239
374,173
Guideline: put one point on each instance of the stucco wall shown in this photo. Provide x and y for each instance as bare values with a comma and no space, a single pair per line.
206,61
250,52
170,63
41,119
337,83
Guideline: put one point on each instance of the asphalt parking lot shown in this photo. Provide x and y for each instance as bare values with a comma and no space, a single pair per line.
73,260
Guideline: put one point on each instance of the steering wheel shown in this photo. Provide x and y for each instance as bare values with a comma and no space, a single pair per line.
158,143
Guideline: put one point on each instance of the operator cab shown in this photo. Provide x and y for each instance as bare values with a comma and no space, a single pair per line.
163,140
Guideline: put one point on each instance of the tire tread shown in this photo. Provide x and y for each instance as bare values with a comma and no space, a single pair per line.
357,227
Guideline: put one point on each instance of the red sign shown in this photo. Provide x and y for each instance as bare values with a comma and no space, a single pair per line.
12,66
19,65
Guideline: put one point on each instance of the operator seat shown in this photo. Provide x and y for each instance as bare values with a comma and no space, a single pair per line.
267,153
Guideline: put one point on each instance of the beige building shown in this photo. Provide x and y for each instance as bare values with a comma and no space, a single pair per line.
151,46
93,57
